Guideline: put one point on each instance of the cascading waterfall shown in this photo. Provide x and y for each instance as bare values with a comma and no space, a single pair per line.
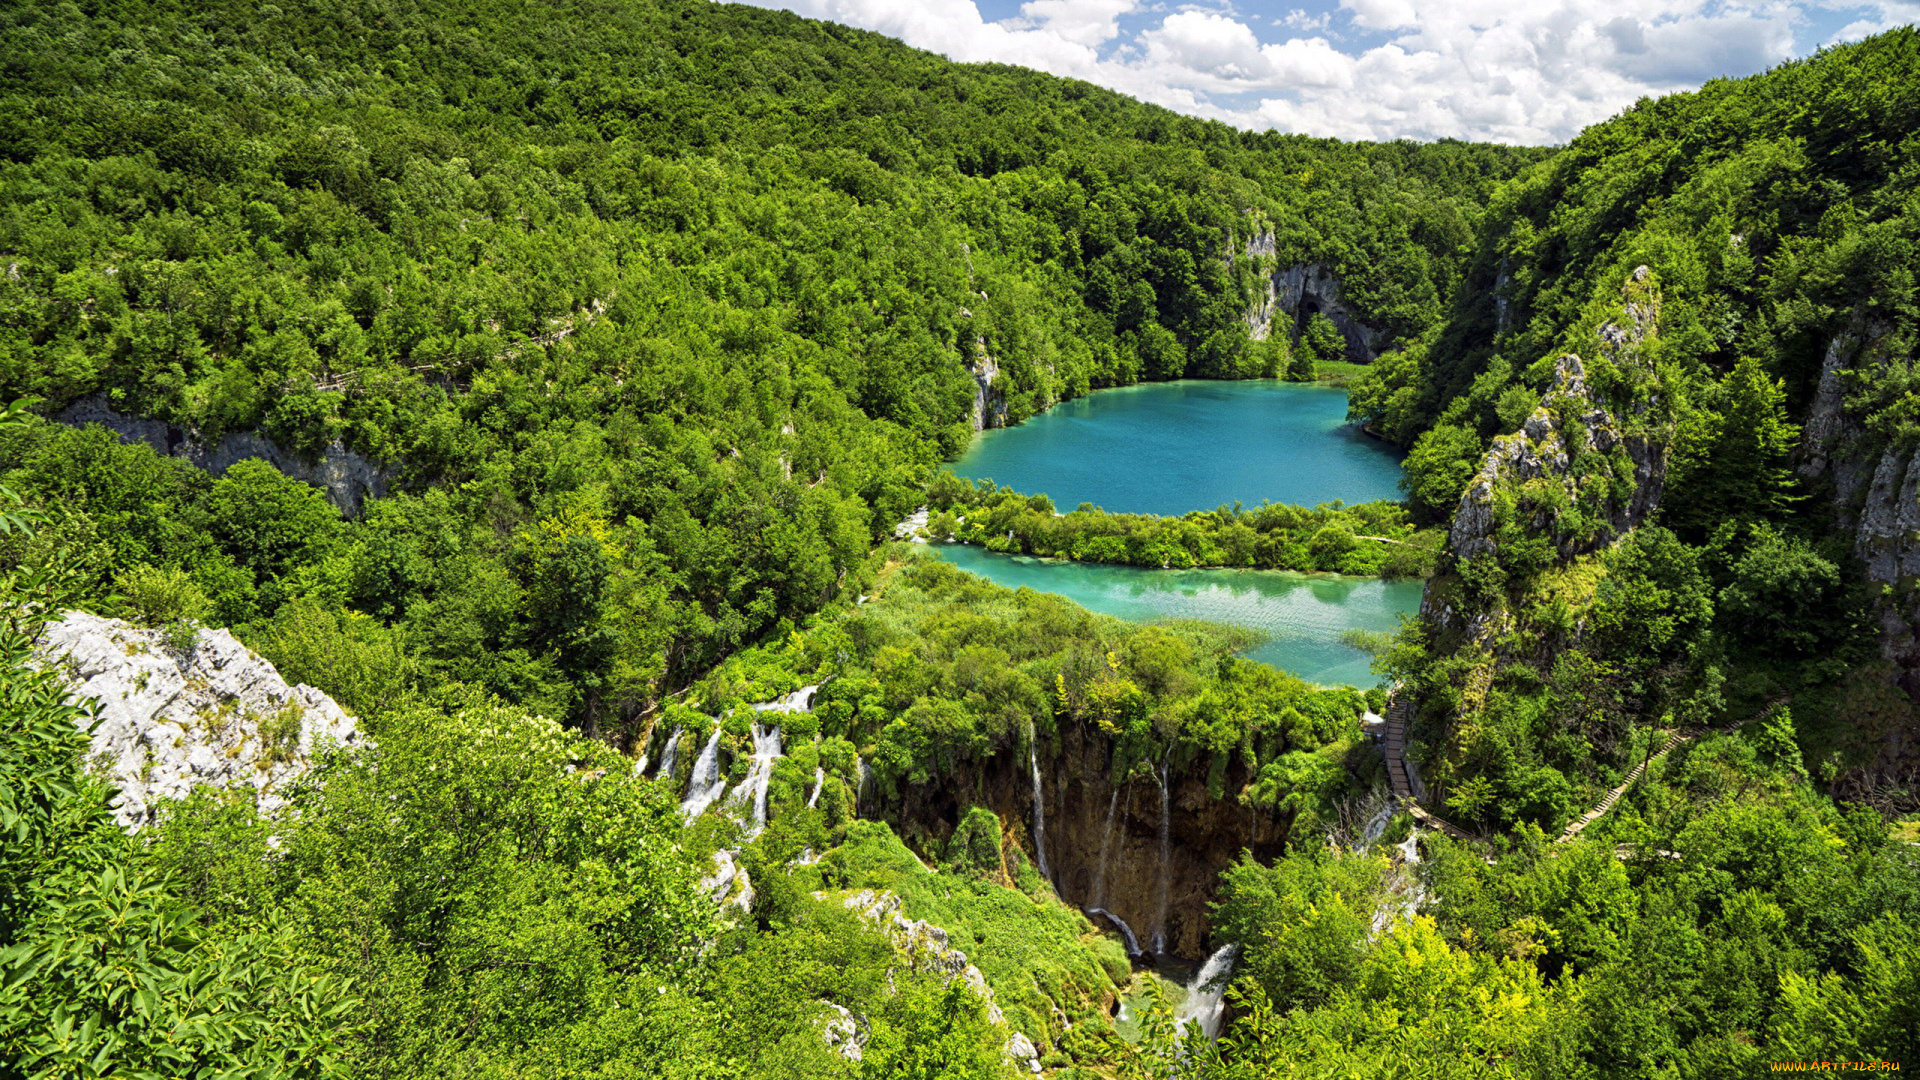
800,700
1133,943
1205,1004
1406,895
819,781
670,754
1106,846
752,792
1039,809
1166,865
1375,827
706,783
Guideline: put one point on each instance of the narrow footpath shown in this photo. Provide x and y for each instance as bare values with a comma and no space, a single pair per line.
1399,716
1399,776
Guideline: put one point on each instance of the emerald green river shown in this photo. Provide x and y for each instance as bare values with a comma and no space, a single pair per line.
1168,448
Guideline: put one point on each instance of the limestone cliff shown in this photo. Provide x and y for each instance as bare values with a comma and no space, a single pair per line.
1585,468
1153,863
1582,470
346,477
989,404
1290,295
171,719
1875,488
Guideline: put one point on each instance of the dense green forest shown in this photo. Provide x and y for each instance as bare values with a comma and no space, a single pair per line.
707,279
658,316
1372,539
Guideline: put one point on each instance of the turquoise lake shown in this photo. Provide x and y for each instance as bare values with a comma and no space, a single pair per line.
1304,613
1168,448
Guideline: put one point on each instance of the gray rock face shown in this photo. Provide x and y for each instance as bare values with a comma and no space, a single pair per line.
728,885
1567,426
169,723
1877,497
346,477
1293,294
925,947
1544,450
989,406
843,1032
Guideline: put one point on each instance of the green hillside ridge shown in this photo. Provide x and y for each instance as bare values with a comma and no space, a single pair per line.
662,314
710,279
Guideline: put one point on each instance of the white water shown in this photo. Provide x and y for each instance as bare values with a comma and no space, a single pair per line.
670,756
752,791
1205,1003
1039,809
800,700
1133,943
706,783
1166,865
1106,846
1406,894
1375,827
819,781
860,791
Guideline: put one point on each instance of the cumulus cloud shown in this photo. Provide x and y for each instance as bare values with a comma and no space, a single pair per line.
1083,22
1533,72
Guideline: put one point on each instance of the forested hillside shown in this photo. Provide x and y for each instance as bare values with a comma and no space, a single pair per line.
652,318
707,290
1733,271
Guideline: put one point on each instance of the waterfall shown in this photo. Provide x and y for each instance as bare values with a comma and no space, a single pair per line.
752,791
1375,827
800,700
1166,864
866,774
670,754
1106,846
1206,995
1133,943
1039,809
707,783
819,781
1406,895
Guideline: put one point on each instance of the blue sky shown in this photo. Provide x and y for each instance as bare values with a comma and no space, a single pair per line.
1527,72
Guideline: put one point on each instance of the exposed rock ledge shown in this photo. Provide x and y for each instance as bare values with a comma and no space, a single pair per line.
926,949
1292,294
169,722
346,477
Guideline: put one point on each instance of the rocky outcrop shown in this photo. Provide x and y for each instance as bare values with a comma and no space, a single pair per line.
1876,498
346,477
728,886
1533,472
173,718
989,405
926,949
1291,295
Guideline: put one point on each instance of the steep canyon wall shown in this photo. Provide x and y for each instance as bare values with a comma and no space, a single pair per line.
1105,842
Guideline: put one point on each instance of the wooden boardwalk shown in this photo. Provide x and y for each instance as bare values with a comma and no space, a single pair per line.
1605,804
1673,741
1394,744
1400,779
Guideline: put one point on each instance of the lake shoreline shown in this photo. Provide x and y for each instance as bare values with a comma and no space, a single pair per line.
1070,560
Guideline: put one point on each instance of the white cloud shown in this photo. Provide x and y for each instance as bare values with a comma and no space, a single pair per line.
1301,19
1527,72
1084,22
1208,45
